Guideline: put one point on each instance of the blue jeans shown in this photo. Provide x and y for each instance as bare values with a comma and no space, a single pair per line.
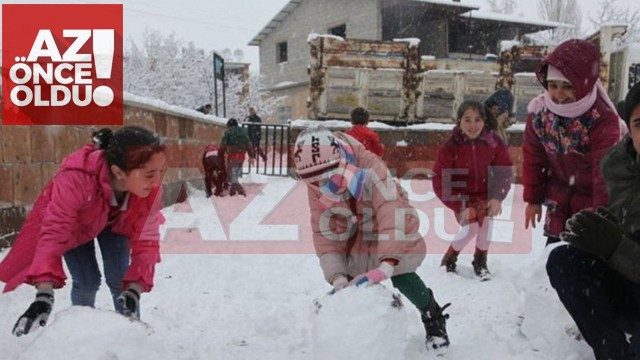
85,274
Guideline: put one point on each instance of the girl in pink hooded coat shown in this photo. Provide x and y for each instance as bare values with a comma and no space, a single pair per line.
109,191
569,128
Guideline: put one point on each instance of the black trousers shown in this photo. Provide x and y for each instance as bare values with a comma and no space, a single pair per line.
603,303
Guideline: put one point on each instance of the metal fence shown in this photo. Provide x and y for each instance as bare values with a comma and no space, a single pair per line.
271,151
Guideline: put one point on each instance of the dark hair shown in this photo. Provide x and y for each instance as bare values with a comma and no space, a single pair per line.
128,148
232,123
475,105
631,101
359,116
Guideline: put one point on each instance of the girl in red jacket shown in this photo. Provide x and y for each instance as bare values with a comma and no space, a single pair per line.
111,191
472,177
569,129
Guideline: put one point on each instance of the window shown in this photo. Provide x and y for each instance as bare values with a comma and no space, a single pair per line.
340,30
284,114
281,52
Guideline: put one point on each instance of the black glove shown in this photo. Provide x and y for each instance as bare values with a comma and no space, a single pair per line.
596,233
37,312
129,300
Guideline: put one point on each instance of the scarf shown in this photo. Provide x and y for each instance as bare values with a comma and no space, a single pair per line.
579,107
347,177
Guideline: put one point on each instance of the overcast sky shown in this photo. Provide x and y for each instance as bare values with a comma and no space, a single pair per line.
231,24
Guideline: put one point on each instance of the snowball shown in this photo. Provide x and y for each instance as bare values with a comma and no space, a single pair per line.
360,323
86,333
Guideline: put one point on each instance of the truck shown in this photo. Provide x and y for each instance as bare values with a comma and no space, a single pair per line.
400,87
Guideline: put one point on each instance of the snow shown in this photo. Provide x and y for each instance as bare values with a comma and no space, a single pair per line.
487,15
413,42
155,104
428,57
229,301
313,36
377,333
508,44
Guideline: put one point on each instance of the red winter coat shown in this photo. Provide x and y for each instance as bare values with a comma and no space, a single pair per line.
561,166
469,172
72,210
367,137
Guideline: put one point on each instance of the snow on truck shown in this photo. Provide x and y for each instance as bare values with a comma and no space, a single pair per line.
399,86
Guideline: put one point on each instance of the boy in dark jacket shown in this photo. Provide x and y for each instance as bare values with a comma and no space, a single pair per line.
235,143
598,277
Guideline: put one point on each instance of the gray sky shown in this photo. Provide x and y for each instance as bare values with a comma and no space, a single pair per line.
231,24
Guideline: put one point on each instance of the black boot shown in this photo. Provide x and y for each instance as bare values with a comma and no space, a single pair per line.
480,265
435,324
449,259
232,189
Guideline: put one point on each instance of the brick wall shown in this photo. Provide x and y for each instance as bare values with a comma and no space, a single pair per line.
30,156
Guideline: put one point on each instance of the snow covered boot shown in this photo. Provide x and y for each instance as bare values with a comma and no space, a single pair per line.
435,324
480,265
449,259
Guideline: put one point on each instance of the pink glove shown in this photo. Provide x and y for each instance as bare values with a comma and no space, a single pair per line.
375,276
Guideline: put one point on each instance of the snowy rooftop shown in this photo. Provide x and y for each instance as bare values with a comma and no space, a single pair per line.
291,5
486,15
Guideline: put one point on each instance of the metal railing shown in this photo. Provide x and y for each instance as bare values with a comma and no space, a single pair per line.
271,151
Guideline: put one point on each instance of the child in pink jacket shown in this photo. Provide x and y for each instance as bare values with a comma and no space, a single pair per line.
472,177
109,190
362,233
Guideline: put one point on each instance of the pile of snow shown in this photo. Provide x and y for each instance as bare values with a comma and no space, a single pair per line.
85,333
360,323
413,42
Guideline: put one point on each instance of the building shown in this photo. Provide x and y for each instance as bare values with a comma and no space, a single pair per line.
446,29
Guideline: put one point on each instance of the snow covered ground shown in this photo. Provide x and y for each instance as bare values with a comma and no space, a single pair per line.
254,304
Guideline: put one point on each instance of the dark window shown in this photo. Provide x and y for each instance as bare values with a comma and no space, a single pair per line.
340,30
281,52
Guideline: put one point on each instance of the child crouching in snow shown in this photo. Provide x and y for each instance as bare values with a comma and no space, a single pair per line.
472,177
111,191
357,233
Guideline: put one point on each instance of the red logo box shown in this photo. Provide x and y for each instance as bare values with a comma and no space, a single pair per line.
62,64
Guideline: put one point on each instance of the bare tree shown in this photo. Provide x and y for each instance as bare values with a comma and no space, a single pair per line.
504,7
609,13
562,11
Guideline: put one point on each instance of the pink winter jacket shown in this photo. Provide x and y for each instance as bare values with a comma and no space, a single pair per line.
72,210
387,224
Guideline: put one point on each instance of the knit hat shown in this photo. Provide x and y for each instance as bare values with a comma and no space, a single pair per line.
316,154
501,97
631,102
579,62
